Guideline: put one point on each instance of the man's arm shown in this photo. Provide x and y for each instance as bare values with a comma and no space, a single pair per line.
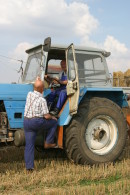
46,114
61,82
48,78
64,82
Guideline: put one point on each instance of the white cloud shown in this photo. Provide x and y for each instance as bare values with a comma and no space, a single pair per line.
11,65
19,51
32,20
113,45
118,64
84,22
120,54
47,17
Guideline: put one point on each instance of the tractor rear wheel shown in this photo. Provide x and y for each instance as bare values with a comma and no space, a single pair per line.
97,133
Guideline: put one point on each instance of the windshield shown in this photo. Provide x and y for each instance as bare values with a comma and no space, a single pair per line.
33,67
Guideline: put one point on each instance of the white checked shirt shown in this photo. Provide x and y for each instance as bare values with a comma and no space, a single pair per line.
36,105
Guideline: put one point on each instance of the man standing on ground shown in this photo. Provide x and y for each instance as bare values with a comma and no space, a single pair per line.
37,117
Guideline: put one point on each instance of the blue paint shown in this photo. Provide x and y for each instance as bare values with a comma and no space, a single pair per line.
12,108
114,94
64,115
14,91
14,97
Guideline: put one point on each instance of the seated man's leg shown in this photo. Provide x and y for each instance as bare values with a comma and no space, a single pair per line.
61,101
51,97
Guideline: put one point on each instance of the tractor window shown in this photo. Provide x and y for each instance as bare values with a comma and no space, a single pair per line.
33,67
92,70
71,66
54,68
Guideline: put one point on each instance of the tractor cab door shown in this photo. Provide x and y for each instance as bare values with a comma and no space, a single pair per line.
73,81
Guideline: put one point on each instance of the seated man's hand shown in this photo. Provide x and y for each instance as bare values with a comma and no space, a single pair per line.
55,81
47,76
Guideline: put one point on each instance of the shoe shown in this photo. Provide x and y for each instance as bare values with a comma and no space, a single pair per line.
29,170
55,112
46,146
50,105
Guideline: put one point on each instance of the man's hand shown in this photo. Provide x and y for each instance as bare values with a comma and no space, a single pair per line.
38,78
55,80
47,76
49,116
128,97
54,118
63,82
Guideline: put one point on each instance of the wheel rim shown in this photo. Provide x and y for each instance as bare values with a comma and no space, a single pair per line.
101,134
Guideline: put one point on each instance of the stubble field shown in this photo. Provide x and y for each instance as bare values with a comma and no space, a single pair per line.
55,174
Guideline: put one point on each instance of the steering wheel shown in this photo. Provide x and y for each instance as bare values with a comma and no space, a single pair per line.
48,79
52,82
54,85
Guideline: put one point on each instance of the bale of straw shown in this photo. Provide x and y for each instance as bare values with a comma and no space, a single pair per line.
121,79
127,77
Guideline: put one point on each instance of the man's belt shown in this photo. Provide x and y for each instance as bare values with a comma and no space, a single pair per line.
32,117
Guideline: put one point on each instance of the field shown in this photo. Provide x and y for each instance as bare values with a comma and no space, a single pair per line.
55,174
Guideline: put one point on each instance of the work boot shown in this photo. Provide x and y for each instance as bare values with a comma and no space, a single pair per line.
55,112
50,105
46,146
29,170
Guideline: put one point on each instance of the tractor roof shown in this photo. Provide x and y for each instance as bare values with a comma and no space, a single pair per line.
63,47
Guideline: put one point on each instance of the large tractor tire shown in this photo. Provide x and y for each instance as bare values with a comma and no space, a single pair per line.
97,133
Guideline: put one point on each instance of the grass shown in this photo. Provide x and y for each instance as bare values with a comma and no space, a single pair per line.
55,174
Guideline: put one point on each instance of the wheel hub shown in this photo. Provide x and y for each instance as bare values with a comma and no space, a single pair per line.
98,133
101,134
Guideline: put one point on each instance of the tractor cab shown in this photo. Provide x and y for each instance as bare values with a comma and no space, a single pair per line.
86,69
42,61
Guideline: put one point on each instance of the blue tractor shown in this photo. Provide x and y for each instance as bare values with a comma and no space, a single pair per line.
92,128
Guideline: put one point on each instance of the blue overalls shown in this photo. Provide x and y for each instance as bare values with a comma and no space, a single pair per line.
61,92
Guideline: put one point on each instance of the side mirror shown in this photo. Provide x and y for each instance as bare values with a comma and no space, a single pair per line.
47,44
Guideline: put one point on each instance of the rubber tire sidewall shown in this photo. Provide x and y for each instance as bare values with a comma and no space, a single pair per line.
109,109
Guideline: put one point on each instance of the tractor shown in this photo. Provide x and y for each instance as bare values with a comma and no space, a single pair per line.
92,128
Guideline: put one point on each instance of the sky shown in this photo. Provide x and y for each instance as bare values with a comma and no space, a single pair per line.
96,23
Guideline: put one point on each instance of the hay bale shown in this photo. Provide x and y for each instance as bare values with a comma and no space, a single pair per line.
127,77
118,79
121,79
127,73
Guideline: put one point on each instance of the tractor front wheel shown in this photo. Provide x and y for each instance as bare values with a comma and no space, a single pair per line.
97,133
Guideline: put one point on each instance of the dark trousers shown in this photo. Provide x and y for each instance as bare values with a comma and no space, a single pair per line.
62,96
31,128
